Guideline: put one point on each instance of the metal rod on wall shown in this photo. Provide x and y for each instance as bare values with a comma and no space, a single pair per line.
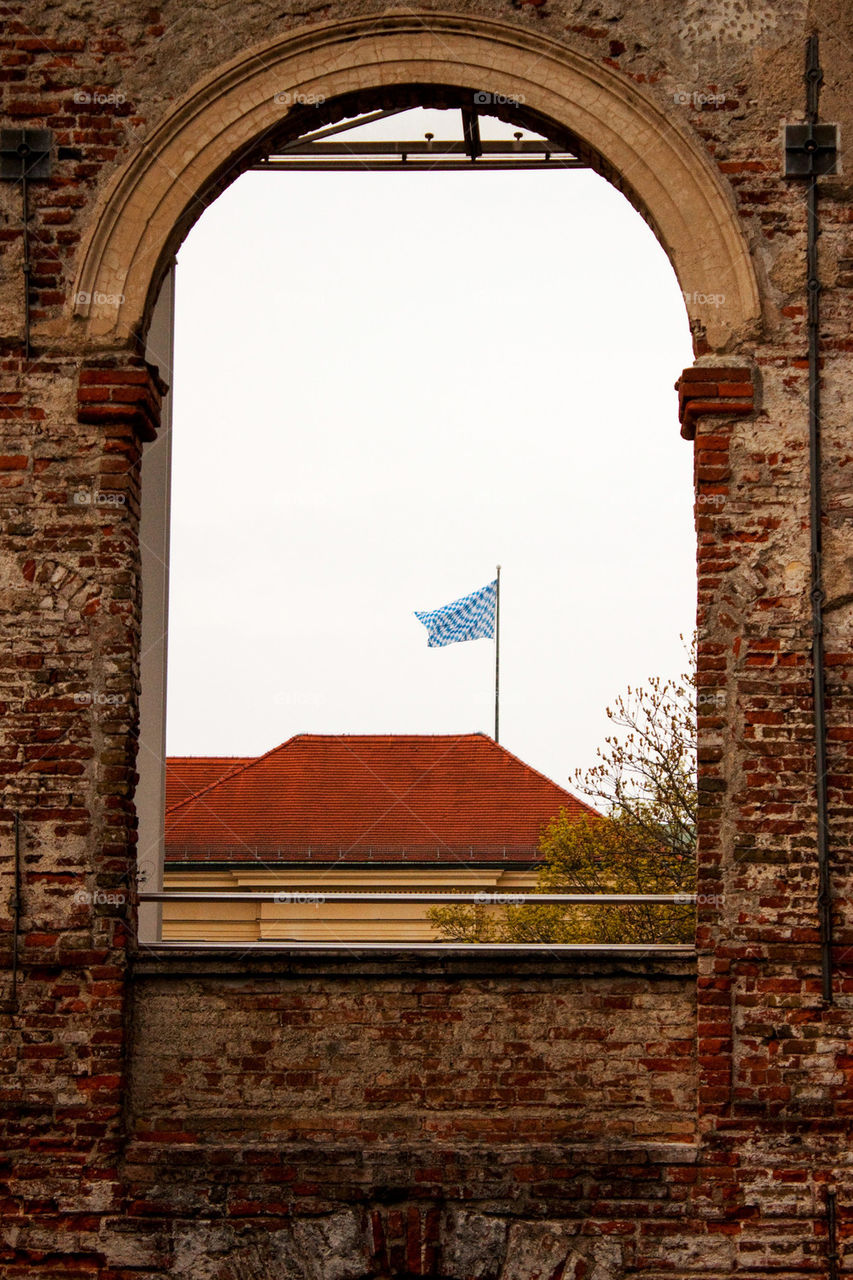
831,1237
16,911
813,78
811,149
26,267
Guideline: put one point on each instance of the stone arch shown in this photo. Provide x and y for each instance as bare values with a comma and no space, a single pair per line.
209,136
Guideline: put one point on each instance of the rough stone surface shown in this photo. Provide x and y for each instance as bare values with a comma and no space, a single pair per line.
716,1157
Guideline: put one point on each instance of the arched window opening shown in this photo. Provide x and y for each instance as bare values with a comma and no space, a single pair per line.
385,383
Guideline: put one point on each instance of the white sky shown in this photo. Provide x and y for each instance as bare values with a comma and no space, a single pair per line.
384,386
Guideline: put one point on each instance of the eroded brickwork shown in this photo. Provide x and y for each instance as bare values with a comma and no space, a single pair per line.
505,1059
494,1127
380,1095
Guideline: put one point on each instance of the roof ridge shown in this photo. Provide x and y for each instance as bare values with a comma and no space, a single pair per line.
478,733
543,776
202,759
249,762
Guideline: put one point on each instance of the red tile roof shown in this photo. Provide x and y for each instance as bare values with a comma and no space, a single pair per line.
187,775
363,798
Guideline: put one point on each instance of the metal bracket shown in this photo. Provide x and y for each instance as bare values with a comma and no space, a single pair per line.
25,153
471,133
811,150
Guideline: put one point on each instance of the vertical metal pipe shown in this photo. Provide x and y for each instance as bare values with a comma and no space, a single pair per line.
817,598
16,911
831,1238
813,79
24,152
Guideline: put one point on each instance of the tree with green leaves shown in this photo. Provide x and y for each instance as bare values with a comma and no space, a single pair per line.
644,841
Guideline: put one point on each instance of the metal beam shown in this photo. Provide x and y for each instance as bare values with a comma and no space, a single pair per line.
428,155
639,949
394,166
483,898
343,127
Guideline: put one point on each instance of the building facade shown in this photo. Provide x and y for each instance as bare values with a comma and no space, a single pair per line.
352,813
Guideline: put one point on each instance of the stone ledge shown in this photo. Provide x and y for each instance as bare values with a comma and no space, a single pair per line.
485,1155
274,962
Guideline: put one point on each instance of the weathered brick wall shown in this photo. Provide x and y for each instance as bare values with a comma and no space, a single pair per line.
264,1092
773,1062
70,506
373,1058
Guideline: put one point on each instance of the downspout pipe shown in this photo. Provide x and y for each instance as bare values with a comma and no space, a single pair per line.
814,78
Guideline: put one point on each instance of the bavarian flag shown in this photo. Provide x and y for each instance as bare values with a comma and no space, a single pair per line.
471,618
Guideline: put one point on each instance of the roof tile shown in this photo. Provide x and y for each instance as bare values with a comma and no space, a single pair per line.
359,797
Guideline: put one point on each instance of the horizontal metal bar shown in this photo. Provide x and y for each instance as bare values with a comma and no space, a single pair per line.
482,898
618,948
418,147
434,156
462,165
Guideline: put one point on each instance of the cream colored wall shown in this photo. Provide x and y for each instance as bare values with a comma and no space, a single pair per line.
315,921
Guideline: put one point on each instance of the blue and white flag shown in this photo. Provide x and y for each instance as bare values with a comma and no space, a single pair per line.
470,618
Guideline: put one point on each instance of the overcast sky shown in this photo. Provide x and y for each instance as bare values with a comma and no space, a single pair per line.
386,384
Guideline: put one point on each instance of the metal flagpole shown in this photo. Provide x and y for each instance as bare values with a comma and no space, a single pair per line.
497,654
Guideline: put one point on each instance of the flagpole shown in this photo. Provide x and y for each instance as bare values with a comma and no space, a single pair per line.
497,654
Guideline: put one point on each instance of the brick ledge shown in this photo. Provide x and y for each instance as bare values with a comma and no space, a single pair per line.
712,390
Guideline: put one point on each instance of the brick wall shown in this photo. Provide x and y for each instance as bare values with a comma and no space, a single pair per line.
70,506
263,1092
370,1057
596,1182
